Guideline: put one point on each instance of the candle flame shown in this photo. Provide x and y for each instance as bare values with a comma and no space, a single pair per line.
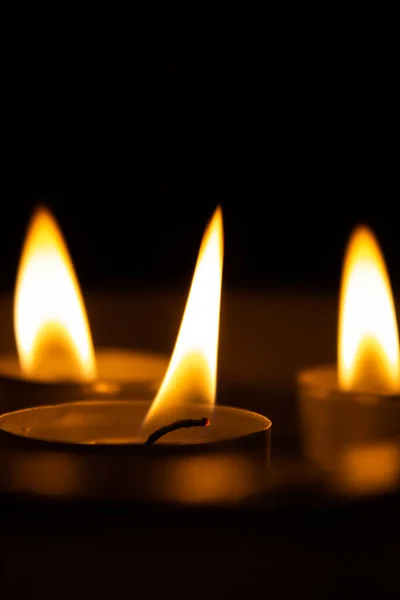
191,376
50,322
368,346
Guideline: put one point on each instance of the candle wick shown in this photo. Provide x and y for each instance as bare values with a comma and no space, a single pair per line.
184,423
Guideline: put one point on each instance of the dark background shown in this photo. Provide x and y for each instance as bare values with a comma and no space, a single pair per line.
133,131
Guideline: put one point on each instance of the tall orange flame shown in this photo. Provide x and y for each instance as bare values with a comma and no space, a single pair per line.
51,327
192,372
368,346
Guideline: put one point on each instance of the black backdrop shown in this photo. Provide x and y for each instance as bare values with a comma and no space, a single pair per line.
132,131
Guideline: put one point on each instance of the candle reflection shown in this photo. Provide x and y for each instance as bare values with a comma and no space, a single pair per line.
216,478
223,476
370,468
46,474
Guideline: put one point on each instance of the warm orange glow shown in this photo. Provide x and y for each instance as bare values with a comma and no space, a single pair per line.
51,327
370,467
192,372
368,346
219,477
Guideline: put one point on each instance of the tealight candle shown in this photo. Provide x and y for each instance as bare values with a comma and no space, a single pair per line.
183,417
98,450
359,400
56,358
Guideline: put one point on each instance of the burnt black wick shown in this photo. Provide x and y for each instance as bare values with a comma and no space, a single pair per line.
184,423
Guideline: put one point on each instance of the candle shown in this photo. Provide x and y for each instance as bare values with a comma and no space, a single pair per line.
106,456
56,359
357,401
183,417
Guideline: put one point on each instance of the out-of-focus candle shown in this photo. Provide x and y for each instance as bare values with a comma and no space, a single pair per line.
56,359
357,401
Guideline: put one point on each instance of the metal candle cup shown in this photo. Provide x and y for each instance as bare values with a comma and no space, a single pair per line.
97,449
121,373
333,421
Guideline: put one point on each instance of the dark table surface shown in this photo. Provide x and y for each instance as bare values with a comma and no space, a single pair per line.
306,533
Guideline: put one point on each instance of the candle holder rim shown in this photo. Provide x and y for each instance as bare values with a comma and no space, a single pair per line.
311,377
67,384
166,445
